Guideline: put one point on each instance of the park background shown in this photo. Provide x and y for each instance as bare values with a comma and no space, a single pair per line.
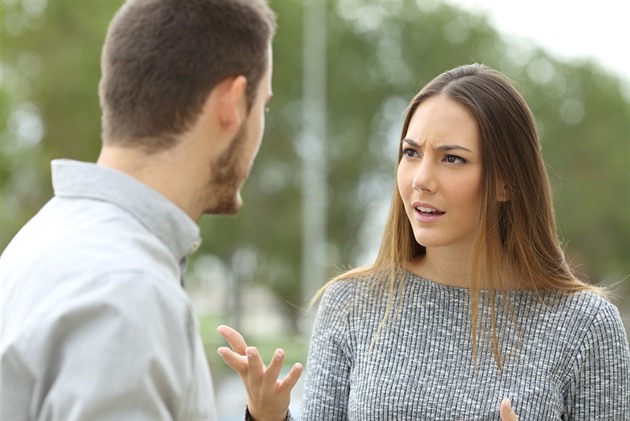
315,203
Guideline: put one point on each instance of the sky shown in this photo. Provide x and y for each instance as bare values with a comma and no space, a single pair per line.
568,29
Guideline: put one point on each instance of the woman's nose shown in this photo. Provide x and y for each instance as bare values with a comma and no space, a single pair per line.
424,177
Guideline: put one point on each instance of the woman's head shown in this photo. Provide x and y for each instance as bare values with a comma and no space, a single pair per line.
516,239
439,176
517,227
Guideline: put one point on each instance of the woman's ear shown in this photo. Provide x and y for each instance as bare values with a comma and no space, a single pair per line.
503,192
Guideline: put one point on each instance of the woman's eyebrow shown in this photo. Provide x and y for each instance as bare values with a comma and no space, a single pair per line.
451,147
437,148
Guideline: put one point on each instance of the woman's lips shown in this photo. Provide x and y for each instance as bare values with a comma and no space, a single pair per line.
425,212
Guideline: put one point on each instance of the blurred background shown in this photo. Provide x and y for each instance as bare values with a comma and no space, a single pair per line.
317,198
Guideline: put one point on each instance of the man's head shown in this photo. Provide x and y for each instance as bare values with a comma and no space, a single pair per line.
162,58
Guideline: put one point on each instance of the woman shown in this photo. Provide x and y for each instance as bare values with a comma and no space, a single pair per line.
470,299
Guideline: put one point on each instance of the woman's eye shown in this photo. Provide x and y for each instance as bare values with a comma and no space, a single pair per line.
454,159
409,152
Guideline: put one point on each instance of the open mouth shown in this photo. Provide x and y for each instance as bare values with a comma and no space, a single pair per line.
429,211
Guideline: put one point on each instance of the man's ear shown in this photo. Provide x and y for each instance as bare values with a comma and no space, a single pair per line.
229,103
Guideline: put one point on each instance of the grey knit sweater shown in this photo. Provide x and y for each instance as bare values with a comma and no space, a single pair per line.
567,357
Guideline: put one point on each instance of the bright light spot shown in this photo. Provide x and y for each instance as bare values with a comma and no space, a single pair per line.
26,125
29,64
457,31
572,111
366,16
428,5
395,70
541,70
34,7
274,177
244,262
15,23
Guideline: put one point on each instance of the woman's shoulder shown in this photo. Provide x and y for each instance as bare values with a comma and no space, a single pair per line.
352,291
583,310
598,310
596,328
586,303
344,289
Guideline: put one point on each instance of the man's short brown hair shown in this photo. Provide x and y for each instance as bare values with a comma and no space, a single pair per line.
162,58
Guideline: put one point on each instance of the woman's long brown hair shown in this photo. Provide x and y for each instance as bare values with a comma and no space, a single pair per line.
517,238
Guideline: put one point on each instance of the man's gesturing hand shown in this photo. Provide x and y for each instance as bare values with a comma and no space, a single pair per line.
267,397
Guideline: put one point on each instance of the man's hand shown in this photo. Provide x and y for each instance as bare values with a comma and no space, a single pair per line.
267,397
507,414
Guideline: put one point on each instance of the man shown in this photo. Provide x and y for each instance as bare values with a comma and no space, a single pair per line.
95,322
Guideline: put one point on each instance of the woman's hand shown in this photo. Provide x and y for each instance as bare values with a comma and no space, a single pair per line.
267,397
506,411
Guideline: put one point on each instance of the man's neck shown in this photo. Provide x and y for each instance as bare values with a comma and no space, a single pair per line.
161,171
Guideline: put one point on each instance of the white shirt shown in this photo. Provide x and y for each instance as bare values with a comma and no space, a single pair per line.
95,322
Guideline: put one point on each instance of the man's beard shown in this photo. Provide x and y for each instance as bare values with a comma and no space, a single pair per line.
226,178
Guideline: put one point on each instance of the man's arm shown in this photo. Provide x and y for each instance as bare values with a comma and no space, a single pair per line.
119,348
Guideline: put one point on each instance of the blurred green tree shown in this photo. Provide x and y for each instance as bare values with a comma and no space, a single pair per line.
379,55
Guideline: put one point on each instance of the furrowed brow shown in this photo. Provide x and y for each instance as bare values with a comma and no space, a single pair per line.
447,148
410,142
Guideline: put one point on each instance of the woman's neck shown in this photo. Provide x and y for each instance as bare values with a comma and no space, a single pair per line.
455,270
445,268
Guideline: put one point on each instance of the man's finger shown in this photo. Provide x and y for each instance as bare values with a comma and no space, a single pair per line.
507,414
234,338
291,379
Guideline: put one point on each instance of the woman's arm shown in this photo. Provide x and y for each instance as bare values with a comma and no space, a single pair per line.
330,358
601,375
267,397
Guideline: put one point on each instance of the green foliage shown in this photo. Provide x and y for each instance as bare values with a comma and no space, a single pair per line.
379,55
49,60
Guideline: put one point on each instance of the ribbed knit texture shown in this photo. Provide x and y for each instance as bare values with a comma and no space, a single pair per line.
567,358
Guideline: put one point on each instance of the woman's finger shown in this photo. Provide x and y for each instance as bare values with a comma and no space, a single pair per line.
234,338
507,414
273,370
256,366
287,384
234,360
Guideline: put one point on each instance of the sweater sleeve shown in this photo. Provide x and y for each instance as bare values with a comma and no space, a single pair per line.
601,376
329,361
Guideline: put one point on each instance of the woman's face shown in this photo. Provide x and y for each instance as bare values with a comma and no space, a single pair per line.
439,175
